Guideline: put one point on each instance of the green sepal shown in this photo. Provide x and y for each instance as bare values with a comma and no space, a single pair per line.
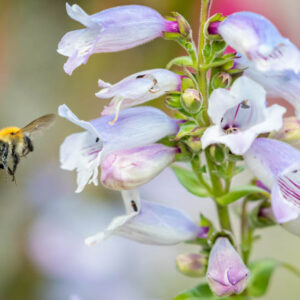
215,18
189,180
218,47
261,272
181,61
187,83
203,292
257,220
189,128
239,192
184,154
172,100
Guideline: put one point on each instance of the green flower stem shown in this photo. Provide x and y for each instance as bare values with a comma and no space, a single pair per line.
231,167
224,217
196,168
246,233
223,212
202,72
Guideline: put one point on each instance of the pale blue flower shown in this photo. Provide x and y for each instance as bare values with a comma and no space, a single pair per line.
110,30
150,223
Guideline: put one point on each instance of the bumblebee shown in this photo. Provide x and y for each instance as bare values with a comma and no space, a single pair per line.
16,142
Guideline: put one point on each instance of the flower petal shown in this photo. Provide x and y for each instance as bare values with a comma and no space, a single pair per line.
136,127
128,169
153,224
283,211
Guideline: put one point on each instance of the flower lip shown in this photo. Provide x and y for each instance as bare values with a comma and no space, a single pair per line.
240,115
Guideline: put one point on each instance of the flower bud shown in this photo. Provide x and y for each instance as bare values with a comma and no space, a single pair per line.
191,101
221,80
226,272
194,142
191,264
128,169
290,131
172,100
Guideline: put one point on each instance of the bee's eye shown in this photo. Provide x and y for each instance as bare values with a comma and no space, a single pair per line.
97,140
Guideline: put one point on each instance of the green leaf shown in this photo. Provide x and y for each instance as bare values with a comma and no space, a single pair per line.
189,180
239,192
261,272
201,291
181,61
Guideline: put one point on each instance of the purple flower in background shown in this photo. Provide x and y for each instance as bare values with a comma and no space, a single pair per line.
150,223
257,39
110,30
290,131
226,272
136,127
268,58
240,115
137,89
277,165
129,169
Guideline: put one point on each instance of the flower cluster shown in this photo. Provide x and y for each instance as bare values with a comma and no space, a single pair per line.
221,119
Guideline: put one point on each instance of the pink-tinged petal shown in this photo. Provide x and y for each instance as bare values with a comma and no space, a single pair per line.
226,272
114,29
268,158
282,209
258,40
128,169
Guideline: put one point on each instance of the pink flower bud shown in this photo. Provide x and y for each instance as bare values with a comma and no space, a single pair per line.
128,169
226,272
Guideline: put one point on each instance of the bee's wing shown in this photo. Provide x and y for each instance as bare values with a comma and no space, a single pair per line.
39,125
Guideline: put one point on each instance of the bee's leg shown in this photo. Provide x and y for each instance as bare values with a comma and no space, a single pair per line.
16,159
29,145
5,155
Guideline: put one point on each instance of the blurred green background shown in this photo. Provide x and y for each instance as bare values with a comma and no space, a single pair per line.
42,221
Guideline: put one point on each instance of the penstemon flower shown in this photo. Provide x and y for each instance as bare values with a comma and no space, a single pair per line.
240,115
277,165
137,89
150,223
226,272
266,56
85,151
111,30
220,119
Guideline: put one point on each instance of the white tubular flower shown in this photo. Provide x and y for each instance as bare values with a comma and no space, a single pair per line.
240,115
137,89
150,223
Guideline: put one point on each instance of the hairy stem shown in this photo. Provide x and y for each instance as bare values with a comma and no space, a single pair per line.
202,72
223,213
